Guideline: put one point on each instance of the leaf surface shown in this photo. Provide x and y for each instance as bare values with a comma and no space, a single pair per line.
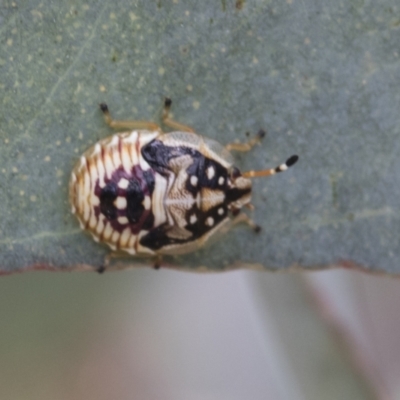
321,77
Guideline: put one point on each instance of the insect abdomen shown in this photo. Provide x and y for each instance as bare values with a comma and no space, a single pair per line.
111,191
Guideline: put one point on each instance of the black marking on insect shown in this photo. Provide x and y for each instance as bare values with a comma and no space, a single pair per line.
146,192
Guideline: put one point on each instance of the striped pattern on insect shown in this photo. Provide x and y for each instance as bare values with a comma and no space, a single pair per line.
150,193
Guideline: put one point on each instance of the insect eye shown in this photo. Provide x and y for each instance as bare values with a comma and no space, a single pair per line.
235,173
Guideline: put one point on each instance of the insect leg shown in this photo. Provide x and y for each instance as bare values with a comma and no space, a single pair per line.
119,124
157,262
238,219
107,260
244,218
248,145
170,122
109,265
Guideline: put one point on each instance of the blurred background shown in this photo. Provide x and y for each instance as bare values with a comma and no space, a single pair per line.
145,334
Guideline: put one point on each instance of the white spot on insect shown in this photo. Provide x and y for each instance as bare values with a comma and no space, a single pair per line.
147,203
220,211
210,172
193,219
120,202
159,193
210,221
193,180
221,180
283,167
123,220
123,183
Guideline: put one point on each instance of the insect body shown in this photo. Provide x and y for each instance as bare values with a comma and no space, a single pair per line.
146,192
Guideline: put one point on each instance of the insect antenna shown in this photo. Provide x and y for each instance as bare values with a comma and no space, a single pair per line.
267,172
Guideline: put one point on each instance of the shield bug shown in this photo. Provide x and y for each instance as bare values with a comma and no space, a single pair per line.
149,193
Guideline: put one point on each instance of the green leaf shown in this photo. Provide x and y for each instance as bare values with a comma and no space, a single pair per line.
320,77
